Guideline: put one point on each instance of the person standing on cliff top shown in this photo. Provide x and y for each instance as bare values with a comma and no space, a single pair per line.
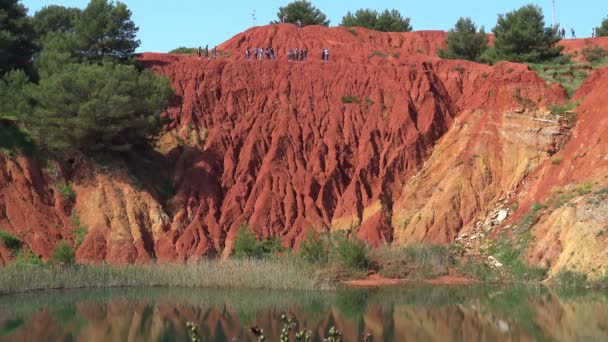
299,23
207,51
214,52
573,34
199,52
285,19
593,33
563,33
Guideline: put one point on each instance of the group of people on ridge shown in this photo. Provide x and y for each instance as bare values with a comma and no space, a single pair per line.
325,55
259,53
297,55
213,52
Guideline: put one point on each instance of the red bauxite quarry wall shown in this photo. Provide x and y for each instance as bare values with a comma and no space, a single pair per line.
276,145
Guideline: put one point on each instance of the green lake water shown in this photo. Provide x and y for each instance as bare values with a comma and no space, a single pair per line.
418,313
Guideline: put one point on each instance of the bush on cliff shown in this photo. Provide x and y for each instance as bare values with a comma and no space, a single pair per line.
184,50
521,36
10,241
304,11
602,30
465,42
387,21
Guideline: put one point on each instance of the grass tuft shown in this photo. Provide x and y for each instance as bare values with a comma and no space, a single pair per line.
347,99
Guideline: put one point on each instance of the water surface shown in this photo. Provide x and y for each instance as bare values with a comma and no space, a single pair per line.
421,313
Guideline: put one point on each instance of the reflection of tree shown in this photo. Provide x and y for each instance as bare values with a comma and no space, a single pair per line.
352,304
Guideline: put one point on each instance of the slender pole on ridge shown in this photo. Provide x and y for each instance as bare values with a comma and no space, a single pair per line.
554,21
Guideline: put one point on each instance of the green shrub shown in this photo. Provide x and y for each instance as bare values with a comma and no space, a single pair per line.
476,269
377,53
247,246
66,191
80,231
314,250
584,189
351,252
556,161
563,109
350,99
594,54
64,253
182,50
24,258
10,241
570,278
416,261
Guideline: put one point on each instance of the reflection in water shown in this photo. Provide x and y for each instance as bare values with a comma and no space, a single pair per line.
425,313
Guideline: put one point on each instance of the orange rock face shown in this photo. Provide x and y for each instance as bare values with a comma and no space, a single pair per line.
286,147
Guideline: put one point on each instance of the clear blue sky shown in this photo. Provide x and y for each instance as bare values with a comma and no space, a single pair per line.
164,25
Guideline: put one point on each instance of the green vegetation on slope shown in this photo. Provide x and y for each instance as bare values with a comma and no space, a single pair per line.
182,50
569,74
10,241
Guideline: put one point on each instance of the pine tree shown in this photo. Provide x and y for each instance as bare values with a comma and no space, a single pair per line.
387,21
521,36
602,30
304,11
105,30
16,36
92,108
465,42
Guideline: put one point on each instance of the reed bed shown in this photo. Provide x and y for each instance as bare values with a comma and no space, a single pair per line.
275,274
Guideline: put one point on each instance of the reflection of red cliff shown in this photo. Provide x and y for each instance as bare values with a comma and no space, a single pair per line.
289,146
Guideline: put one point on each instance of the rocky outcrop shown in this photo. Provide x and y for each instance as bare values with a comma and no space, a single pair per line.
31,209
571,233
